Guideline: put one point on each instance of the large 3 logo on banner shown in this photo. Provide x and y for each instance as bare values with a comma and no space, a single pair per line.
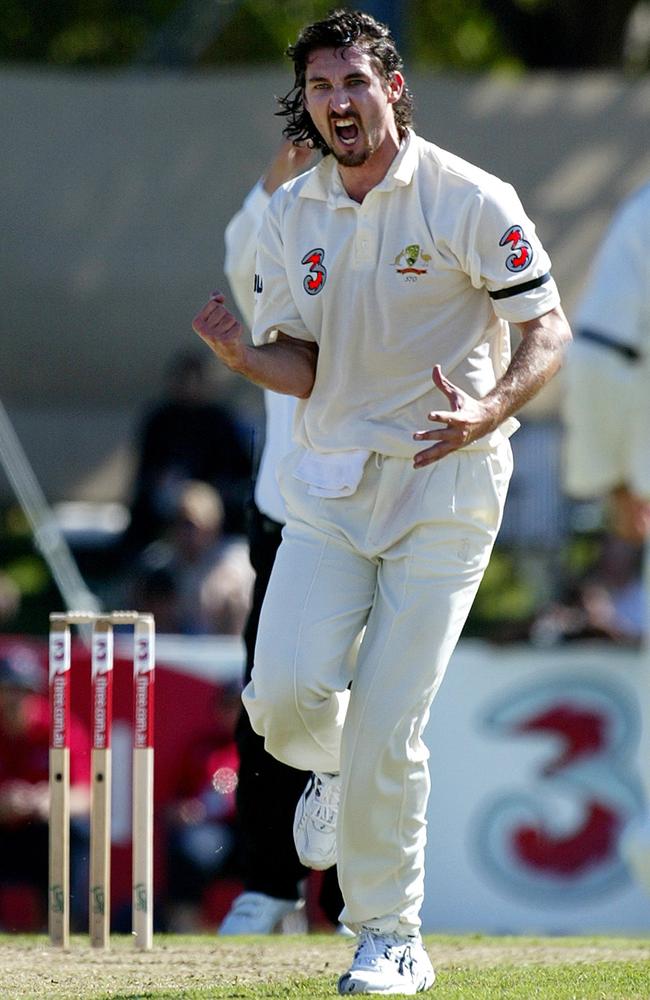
556,839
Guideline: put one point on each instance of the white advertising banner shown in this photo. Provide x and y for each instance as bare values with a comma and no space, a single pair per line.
535,771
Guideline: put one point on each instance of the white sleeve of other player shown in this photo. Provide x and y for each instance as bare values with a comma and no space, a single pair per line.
607,404
500,250
275,306
241,247
616,299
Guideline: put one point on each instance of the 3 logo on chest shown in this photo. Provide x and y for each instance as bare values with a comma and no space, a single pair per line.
314,280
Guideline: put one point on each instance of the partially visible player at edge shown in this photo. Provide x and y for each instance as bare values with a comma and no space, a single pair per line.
607,454
389,257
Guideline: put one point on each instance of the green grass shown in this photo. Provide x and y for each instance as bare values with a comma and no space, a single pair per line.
606,981
469,967
597,981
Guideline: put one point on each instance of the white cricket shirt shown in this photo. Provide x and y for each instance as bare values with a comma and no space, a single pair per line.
430,268
616,299
607,398
241,244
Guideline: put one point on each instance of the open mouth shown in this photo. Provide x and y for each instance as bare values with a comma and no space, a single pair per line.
346,130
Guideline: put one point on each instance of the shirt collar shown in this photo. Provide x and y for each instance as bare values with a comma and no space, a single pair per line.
324,182
403,166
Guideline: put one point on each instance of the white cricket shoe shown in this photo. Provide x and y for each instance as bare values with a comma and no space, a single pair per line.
387,963
255,913
314,825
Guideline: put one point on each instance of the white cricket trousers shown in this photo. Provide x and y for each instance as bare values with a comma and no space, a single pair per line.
403,557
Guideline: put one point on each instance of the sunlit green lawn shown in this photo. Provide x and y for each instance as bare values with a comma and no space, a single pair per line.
471,967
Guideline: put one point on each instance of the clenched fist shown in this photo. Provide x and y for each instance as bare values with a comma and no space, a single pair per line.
221,332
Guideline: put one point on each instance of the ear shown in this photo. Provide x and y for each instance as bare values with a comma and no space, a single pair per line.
395,87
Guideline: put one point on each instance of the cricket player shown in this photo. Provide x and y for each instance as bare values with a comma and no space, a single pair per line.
267,790
609,362
391,257
607,451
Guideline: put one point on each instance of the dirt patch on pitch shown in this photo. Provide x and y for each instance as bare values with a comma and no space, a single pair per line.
31,970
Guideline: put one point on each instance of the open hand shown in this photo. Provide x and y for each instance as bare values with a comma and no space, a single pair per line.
466,420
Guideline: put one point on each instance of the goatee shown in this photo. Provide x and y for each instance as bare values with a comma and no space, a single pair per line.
352,159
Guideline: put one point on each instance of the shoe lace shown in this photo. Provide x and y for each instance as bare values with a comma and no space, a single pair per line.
326,795
389,946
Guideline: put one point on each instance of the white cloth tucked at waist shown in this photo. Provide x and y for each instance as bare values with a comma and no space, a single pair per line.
332,474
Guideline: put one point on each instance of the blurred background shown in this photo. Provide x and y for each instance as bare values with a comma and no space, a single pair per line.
131,134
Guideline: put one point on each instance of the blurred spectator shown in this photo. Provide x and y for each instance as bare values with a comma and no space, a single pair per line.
154,590
201,819
195,580
24,792
187,436
608,603
9,598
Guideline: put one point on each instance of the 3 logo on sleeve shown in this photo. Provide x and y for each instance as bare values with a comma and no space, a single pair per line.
522,252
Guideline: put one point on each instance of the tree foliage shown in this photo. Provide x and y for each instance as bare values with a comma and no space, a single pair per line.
452,35
458,34
78,32
563,34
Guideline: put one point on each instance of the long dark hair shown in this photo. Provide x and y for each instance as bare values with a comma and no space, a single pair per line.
340,29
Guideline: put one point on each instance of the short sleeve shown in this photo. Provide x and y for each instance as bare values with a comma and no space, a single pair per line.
614,299
503,254
275,307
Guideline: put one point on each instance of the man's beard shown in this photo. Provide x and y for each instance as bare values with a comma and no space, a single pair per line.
352,159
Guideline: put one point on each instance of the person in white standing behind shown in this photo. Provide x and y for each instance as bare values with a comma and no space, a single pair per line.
607,417
389,257
607,453
267,790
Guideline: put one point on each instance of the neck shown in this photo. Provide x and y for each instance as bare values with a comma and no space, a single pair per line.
358,181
